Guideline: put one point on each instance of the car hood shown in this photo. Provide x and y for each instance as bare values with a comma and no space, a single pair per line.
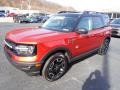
33,35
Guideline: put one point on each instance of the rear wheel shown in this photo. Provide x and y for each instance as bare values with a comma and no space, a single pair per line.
104,47
55,67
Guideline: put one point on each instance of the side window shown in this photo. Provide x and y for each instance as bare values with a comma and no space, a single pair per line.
85,23
97,22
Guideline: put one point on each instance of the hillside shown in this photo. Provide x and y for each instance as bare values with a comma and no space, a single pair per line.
35,5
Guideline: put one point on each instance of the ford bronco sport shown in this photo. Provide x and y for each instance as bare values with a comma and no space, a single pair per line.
64,37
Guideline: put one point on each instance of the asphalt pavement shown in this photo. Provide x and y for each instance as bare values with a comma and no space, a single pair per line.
92,73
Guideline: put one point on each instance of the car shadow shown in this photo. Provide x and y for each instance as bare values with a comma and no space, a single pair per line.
98,80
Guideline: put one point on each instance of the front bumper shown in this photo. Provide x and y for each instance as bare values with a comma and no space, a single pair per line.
29,68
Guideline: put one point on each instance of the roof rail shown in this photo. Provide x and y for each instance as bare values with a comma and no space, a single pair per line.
68,12
92,12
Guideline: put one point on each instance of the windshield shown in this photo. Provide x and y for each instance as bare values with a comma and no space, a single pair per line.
116,21
60,23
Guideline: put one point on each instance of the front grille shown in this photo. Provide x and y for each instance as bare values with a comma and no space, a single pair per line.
11,44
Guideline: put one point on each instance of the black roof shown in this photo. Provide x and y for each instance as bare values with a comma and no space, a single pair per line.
104,16
85,13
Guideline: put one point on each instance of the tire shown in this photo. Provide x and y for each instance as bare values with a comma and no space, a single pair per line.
104,47
55,67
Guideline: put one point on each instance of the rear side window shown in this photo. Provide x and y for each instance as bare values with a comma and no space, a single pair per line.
97,22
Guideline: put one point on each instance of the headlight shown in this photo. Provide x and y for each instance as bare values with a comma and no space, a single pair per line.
25,50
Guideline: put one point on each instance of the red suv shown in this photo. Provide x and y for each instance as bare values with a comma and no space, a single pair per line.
61,39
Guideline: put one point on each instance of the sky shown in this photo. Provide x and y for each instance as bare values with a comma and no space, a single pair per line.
93,5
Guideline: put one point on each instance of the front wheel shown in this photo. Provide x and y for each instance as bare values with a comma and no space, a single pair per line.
104,47
55,67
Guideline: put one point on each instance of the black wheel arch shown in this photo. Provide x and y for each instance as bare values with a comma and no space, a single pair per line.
108,38
62,50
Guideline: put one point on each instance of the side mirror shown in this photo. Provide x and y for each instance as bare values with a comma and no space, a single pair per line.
82,31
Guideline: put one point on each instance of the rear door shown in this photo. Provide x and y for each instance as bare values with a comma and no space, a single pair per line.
98,30
90,39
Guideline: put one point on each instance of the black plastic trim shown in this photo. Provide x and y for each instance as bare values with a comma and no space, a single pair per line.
29,68
55,51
